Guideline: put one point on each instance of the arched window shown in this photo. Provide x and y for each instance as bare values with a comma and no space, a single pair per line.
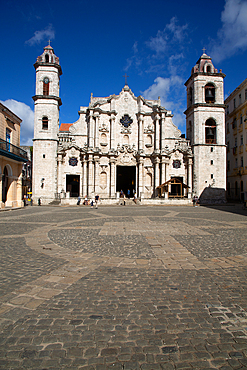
46,58
210,131
45,123
209,93
208,69
46,84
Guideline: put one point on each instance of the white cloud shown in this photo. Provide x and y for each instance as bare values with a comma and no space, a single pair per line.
27,115
135,60
172,34
48,33
162,87
232,37
172,94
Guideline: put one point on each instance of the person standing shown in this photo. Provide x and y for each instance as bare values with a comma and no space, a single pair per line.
135,198
96,200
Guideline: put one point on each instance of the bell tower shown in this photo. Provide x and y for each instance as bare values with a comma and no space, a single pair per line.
46,126
205,128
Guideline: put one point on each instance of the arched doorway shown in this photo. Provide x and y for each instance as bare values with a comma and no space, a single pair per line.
5,184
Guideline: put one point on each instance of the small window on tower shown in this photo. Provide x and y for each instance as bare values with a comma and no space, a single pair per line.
45,123
46,83
46,58
208,69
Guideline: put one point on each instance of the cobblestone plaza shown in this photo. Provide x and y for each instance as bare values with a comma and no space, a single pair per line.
132,287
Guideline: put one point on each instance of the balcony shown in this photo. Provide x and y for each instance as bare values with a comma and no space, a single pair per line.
12,151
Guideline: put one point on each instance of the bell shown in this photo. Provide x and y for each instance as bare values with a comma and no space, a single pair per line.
209,93
210,132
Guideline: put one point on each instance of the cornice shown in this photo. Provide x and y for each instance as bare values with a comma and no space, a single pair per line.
193,106
43,64
48,97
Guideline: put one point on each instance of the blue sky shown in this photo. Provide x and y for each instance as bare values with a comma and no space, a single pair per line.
155,42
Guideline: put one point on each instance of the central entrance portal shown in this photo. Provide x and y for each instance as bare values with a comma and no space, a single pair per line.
73,185
126,179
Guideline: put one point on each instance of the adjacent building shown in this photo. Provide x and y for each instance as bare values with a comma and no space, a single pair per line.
236,139
124,142
12,158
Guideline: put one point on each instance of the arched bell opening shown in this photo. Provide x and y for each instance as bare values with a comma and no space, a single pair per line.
210,93
210,131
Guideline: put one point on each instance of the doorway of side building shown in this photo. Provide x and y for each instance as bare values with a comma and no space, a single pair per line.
73,185
126,179
5,184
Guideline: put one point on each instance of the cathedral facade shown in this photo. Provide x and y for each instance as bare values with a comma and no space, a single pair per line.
119,142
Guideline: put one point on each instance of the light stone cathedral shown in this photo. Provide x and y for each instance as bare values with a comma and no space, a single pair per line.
128,143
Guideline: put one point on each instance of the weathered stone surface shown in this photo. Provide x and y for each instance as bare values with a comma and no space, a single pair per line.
189,311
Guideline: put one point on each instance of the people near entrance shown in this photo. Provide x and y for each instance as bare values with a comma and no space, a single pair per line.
78,200
85,202
91,203
128,193
122,198
135,198
96,200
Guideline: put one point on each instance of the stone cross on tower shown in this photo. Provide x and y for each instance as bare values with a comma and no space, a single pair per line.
126,83
203,50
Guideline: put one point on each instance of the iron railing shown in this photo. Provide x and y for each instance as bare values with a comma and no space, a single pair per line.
10,148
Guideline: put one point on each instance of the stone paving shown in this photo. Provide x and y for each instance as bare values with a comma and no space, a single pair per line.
123,288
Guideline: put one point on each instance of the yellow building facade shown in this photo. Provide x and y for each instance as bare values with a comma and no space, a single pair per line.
236,140
12,158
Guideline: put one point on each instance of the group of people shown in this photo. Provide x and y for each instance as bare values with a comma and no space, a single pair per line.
123,197
91,202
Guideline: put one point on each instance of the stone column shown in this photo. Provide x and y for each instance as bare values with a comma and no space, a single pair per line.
140,179
189,177
91,130
156,175
112,132
157,133
19,191
90,176
84,178
140,136
96,133
59,174
96,180
163,170
113,178
162,131
11,194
